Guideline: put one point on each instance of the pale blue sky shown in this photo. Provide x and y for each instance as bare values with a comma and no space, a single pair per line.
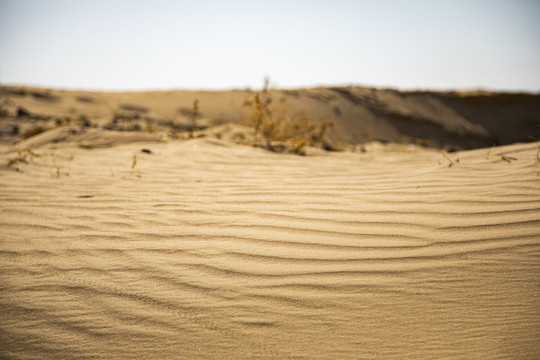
165,44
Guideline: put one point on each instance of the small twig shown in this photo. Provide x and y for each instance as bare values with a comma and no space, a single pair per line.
507,158
133,164
452,162
489,152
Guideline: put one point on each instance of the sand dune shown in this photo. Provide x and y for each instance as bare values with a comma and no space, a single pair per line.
446,120
205,248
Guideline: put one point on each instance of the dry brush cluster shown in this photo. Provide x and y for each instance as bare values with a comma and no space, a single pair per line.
276,129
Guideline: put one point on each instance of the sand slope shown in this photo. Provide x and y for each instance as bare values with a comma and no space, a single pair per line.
206,249
447,120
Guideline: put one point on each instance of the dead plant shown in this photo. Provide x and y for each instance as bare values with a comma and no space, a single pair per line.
279,130
452,162
133,164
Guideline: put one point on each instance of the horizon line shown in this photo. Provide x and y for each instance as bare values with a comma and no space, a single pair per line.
274,86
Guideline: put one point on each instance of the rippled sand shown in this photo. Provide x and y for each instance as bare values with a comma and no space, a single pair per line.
212,250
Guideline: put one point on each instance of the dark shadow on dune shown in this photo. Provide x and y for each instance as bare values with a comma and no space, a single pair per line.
451,119
509,118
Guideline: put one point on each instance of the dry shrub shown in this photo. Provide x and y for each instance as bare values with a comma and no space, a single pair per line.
282,131
24,156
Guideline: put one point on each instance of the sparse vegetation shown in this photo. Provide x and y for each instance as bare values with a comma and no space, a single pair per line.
29,156
133,164
451,162
23,156
508,159
276,129
261,109
273,126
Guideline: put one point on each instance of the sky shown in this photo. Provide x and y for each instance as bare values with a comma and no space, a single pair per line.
209,44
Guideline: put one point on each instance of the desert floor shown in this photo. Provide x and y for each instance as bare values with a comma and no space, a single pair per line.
121,245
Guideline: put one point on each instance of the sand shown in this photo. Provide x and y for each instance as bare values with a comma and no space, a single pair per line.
134,245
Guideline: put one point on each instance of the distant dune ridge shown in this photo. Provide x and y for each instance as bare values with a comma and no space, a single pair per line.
446,120
133,227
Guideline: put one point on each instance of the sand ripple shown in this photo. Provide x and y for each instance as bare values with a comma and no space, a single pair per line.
233,252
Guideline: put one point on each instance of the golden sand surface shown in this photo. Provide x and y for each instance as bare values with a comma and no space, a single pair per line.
131,245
